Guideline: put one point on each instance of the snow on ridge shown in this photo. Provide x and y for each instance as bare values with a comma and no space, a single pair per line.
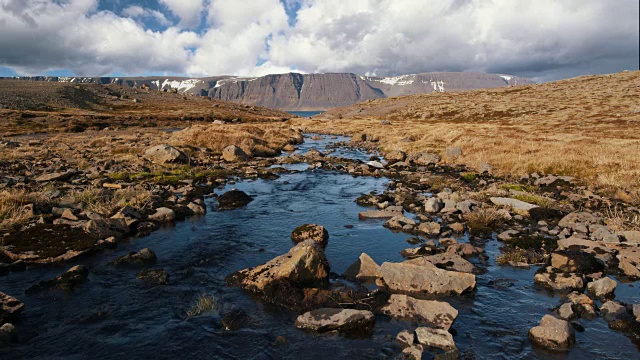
181,86
506,78
398,80
438,85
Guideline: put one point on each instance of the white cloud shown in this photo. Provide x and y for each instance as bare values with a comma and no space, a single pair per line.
141,13
189,11
545,39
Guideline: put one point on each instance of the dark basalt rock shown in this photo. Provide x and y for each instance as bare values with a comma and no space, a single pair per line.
70,280
142,257
233,199
154,276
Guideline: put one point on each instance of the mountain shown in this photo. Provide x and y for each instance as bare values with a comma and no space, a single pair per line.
295,91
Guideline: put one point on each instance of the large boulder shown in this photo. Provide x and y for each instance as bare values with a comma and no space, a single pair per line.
601,288
425,281
379,214
436,314
313,232
396,155
450,261
363,268
611,310
552,334
10,307
341,320
433,205
163,215
233,199
435,338
429,228
425,158
233,153
304,265
166,154
575,262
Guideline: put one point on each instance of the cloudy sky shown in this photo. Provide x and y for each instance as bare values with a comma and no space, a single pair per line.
542,39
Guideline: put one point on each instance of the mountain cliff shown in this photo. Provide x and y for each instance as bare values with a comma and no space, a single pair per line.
295,91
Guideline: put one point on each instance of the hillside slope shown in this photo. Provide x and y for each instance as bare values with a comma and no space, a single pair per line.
587,126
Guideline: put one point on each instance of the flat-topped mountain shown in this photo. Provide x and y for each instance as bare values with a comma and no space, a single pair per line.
295,91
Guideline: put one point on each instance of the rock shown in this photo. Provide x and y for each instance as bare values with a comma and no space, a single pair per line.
629,261
154,277
378,214
313,232
464,250
508,235
105,228
196,209
436,338
143,257
449,206
429,228
233,153
405,338
580,221
289,148
385,122
233,199
631,236
69,280
341,320
10,308
433,205
413,352
559,282
304,265
604,287
57,176
407,278
363,268
166,154
396,155
517,206
425,159
129,214
358,137
436,314
636,311
552,180
399,223
450,261
575,262
8,334
69,215
163,215
552,334
457,227
466,206
583,305
452,152
565,311
233,317
601,252
611,310
375,164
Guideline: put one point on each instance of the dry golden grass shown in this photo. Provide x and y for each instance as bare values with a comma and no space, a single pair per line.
587,127
105,202
267,139
13,206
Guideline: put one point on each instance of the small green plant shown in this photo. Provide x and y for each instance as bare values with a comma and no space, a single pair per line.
468,176
205,303
517,187
534,199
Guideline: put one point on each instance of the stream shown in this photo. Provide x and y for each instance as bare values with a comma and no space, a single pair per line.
114,315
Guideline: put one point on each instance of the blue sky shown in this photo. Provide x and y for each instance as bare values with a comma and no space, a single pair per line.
544,40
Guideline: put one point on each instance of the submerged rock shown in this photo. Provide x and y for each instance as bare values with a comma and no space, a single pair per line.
8,334
553,334
10,308
143,257
154,276
233,199
363,268
420,281
313,232
341,320
69,280
559,282
436,314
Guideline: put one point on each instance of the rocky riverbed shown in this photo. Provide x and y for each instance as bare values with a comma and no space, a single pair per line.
396,256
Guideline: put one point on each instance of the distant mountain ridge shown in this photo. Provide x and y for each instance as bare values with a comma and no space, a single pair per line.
294,91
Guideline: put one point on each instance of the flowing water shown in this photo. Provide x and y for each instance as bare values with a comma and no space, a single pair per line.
116,316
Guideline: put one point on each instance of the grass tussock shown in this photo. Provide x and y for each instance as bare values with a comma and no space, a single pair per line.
620,221
205,303
518,255
106,202
264,140
14,206
484,220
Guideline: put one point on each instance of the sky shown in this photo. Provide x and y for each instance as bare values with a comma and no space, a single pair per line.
543,39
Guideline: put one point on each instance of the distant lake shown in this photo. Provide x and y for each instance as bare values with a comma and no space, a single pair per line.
305,113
